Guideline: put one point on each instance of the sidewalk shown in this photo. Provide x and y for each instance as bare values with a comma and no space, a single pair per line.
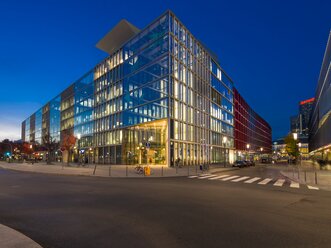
108,170
308,173
10,238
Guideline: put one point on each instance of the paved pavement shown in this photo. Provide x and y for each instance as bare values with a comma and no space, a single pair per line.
106,170
71,211
308,173
10,238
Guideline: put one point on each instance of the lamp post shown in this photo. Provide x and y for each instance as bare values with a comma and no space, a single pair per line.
295,136
225,139
299,144
78,138
248,146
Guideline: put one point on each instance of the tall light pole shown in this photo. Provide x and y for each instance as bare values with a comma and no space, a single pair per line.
295,136
78,137
299,144
225,139
248,146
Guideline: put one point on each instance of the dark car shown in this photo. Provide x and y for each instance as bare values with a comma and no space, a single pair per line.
250,163
239,164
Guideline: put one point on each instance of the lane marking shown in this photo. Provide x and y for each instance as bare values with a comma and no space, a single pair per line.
312,187
193,177
239,179
265,181
214,178
207,176
229,178
279,182
294,185
252,180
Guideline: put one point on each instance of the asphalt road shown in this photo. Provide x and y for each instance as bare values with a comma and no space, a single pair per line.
74,211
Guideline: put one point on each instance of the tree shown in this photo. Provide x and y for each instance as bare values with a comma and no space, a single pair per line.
291,146
68,142
51,145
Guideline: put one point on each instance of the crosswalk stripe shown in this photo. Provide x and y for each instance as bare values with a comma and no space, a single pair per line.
252,180
265,181
294,185
207,176
279,182
239,179
193,177
229,178
214,178
312,187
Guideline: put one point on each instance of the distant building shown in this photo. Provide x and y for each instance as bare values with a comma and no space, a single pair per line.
320,123
300,123
305,111
294,124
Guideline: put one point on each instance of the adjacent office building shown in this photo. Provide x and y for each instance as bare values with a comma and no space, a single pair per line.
252,135
159,97
320,123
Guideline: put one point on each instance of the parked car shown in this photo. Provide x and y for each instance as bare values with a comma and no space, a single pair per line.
250,163
239,164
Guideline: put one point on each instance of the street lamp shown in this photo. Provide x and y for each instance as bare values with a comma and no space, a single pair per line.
225,139
248,146
78,137
295,136
299,144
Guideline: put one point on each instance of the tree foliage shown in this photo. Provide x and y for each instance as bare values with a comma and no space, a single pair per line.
51,145
291,146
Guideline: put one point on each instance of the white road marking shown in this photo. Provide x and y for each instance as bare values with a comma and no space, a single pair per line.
193,177
252,180
312,187
294,185
239,179
229,178
207,176
214,178
265,181
279,182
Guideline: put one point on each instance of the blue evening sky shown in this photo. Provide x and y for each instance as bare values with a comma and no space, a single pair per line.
272,49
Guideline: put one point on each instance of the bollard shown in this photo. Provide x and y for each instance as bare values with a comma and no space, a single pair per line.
315,177
298,174
95,167
196,169
305,176
188,170
110,170
126,170
162,171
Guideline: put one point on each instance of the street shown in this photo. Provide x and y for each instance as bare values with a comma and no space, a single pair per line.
77,211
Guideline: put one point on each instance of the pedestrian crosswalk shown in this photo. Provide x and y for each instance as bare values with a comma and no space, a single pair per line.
278,182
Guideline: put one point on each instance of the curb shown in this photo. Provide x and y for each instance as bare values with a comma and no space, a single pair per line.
10,238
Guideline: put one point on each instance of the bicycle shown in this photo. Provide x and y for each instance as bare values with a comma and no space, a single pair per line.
139,169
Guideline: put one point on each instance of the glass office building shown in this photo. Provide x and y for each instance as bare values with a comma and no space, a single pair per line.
160,97
320,122
252,133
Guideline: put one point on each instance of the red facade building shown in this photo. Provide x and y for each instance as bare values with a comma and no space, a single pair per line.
252,134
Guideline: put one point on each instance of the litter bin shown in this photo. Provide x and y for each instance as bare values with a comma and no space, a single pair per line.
147,171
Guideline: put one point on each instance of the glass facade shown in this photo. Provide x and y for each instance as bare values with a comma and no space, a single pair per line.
320,121
160,98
